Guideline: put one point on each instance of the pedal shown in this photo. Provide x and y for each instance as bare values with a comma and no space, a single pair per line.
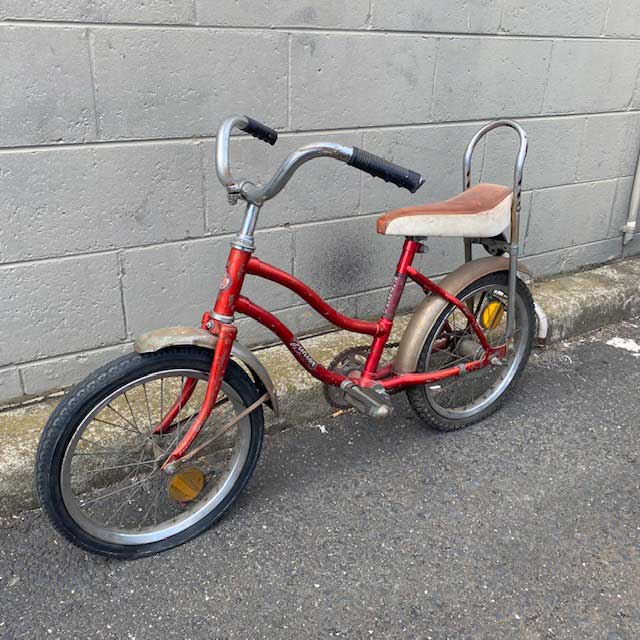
375,404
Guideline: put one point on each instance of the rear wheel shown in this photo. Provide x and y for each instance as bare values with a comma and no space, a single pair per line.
99,461
459,401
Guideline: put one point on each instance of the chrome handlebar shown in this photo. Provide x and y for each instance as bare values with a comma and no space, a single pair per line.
253,194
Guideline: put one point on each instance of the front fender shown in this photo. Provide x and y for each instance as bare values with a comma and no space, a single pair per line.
197,337
415,335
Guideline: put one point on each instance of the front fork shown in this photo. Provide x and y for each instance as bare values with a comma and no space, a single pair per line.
226,331
221,356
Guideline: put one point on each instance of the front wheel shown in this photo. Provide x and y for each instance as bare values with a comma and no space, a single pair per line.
99,461
459,401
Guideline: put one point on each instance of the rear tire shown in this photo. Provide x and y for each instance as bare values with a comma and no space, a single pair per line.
432,403
74,416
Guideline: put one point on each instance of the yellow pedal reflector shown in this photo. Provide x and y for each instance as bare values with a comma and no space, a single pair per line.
186,485
491,315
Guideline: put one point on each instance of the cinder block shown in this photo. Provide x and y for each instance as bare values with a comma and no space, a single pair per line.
174,284
319,190
50,375
64,201
46,94
623,19
10,386
554,145
275,13
566,18
183,82
480,16
620,213
59,306
434,151
572,258
345,257
370,304
489,78
588,76
352,80
147,11
610,146
570,215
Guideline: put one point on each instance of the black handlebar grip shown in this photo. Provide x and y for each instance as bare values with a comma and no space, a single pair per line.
380,168
260,131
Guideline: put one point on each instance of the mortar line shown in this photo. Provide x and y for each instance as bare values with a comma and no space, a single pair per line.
204,189
92,75
194,139
369,21
381,32
361,177
289,80
605,20
21,381
263,230
571,248
526,231
611,210
583,135
122,301
434,79
69,354
636,91
546,78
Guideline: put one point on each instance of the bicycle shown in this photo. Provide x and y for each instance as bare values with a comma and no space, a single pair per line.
153,448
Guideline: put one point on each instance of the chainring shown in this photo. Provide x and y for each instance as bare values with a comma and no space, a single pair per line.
345,363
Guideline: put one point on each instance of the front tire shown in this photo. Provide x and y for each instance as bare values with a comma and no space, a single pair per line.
98,462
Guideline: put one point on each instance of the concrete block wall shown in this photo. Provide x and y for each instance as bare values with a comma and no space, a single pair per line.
111,218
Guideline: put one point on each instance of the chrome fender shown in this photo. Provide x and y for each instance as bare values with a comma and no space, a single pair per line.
425,316
197,337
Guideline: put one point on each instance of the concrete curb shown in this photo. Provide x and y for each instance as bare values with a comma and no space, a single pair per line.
573,304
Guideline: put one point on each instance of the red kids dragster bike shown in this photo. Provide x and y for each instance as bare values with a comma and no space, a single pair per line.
153,448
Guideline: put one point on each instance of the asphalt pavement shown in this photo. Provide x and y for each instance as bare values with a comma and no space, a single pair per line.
525,526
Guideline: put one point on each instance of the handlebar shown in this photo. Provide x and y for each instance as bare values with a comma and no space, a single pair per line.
380,168
353,156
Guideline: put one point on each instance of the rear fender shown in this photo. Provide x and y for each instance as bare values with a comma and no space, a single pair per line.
197,337
425,316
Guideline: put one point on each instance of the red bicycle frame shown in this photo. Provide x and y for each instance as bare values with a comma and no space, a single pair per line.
229,301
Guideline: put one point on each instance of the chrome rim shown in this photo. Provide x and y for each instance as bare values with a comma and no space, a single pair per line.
111,482
455,343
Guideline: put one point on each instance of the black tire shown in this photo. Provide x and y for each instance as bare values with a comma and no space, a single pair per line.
69,414
420,400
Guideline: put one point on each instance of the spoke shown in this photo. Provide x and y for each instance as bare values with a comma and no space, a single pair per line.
124,466
99,446
152,504
131,411
124,502
161,399
146,397
479,305
120,426
125,419
106,452
113,493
